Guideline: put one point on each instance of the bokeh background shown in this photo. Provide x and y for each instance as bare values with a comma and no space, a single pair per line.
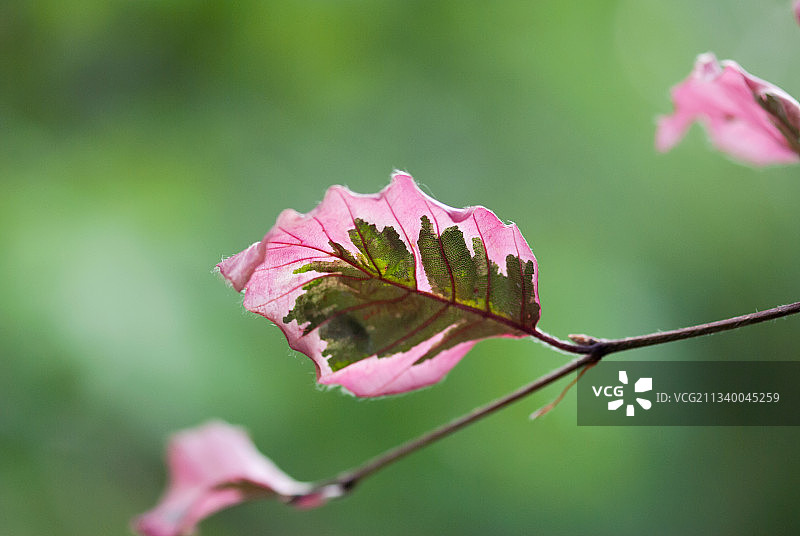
142,141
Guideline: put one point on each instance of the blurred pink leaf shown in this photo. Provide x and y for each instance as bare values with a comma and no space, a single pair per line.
213,467
796,10
387,292
746,117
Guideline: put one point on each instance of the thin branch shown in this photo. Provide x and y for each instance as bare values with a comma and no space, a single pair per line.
565,346
652,339
593,349
350,478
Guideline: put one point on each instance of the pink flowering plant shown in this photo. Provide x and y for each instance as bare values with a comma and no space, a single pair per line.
215,466
387,292
752,120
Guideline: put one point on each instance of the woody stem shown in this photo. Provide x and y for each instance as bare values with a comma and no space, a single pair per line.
593,350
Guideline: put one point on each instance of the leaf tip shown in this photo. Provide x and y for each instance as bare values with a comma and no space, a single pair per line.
238,269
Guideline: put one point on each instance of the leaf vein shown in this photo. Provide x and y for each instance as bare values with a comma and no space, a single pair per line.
291,234
414,331
488,263
361,236
304,283
362,306
521,282
451,335
268,268
444,255
408,241
487,314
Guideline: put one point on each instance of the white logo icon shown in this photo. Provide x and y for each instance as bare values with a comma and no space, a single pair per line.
642,385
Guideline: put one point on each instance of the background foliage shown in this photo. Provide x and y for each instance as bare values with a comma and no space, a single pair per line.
142,141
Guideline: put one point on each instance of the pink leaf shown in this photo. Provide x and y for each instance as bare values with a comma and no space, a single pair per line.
796,10
387,292
213,467
746,117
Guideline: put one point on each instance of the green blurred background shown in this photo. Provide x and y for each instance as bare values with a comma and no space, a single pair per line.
142,141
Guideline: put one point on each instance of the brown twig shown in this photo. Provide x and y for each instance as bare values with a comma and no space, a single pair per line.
592,350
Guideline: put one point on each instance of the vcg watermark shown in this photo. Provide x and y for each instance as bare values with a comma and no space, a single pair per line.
617,392
690,393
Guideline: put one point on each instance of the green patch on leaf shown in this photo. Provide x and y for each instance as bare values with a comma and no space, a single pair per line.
369,303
